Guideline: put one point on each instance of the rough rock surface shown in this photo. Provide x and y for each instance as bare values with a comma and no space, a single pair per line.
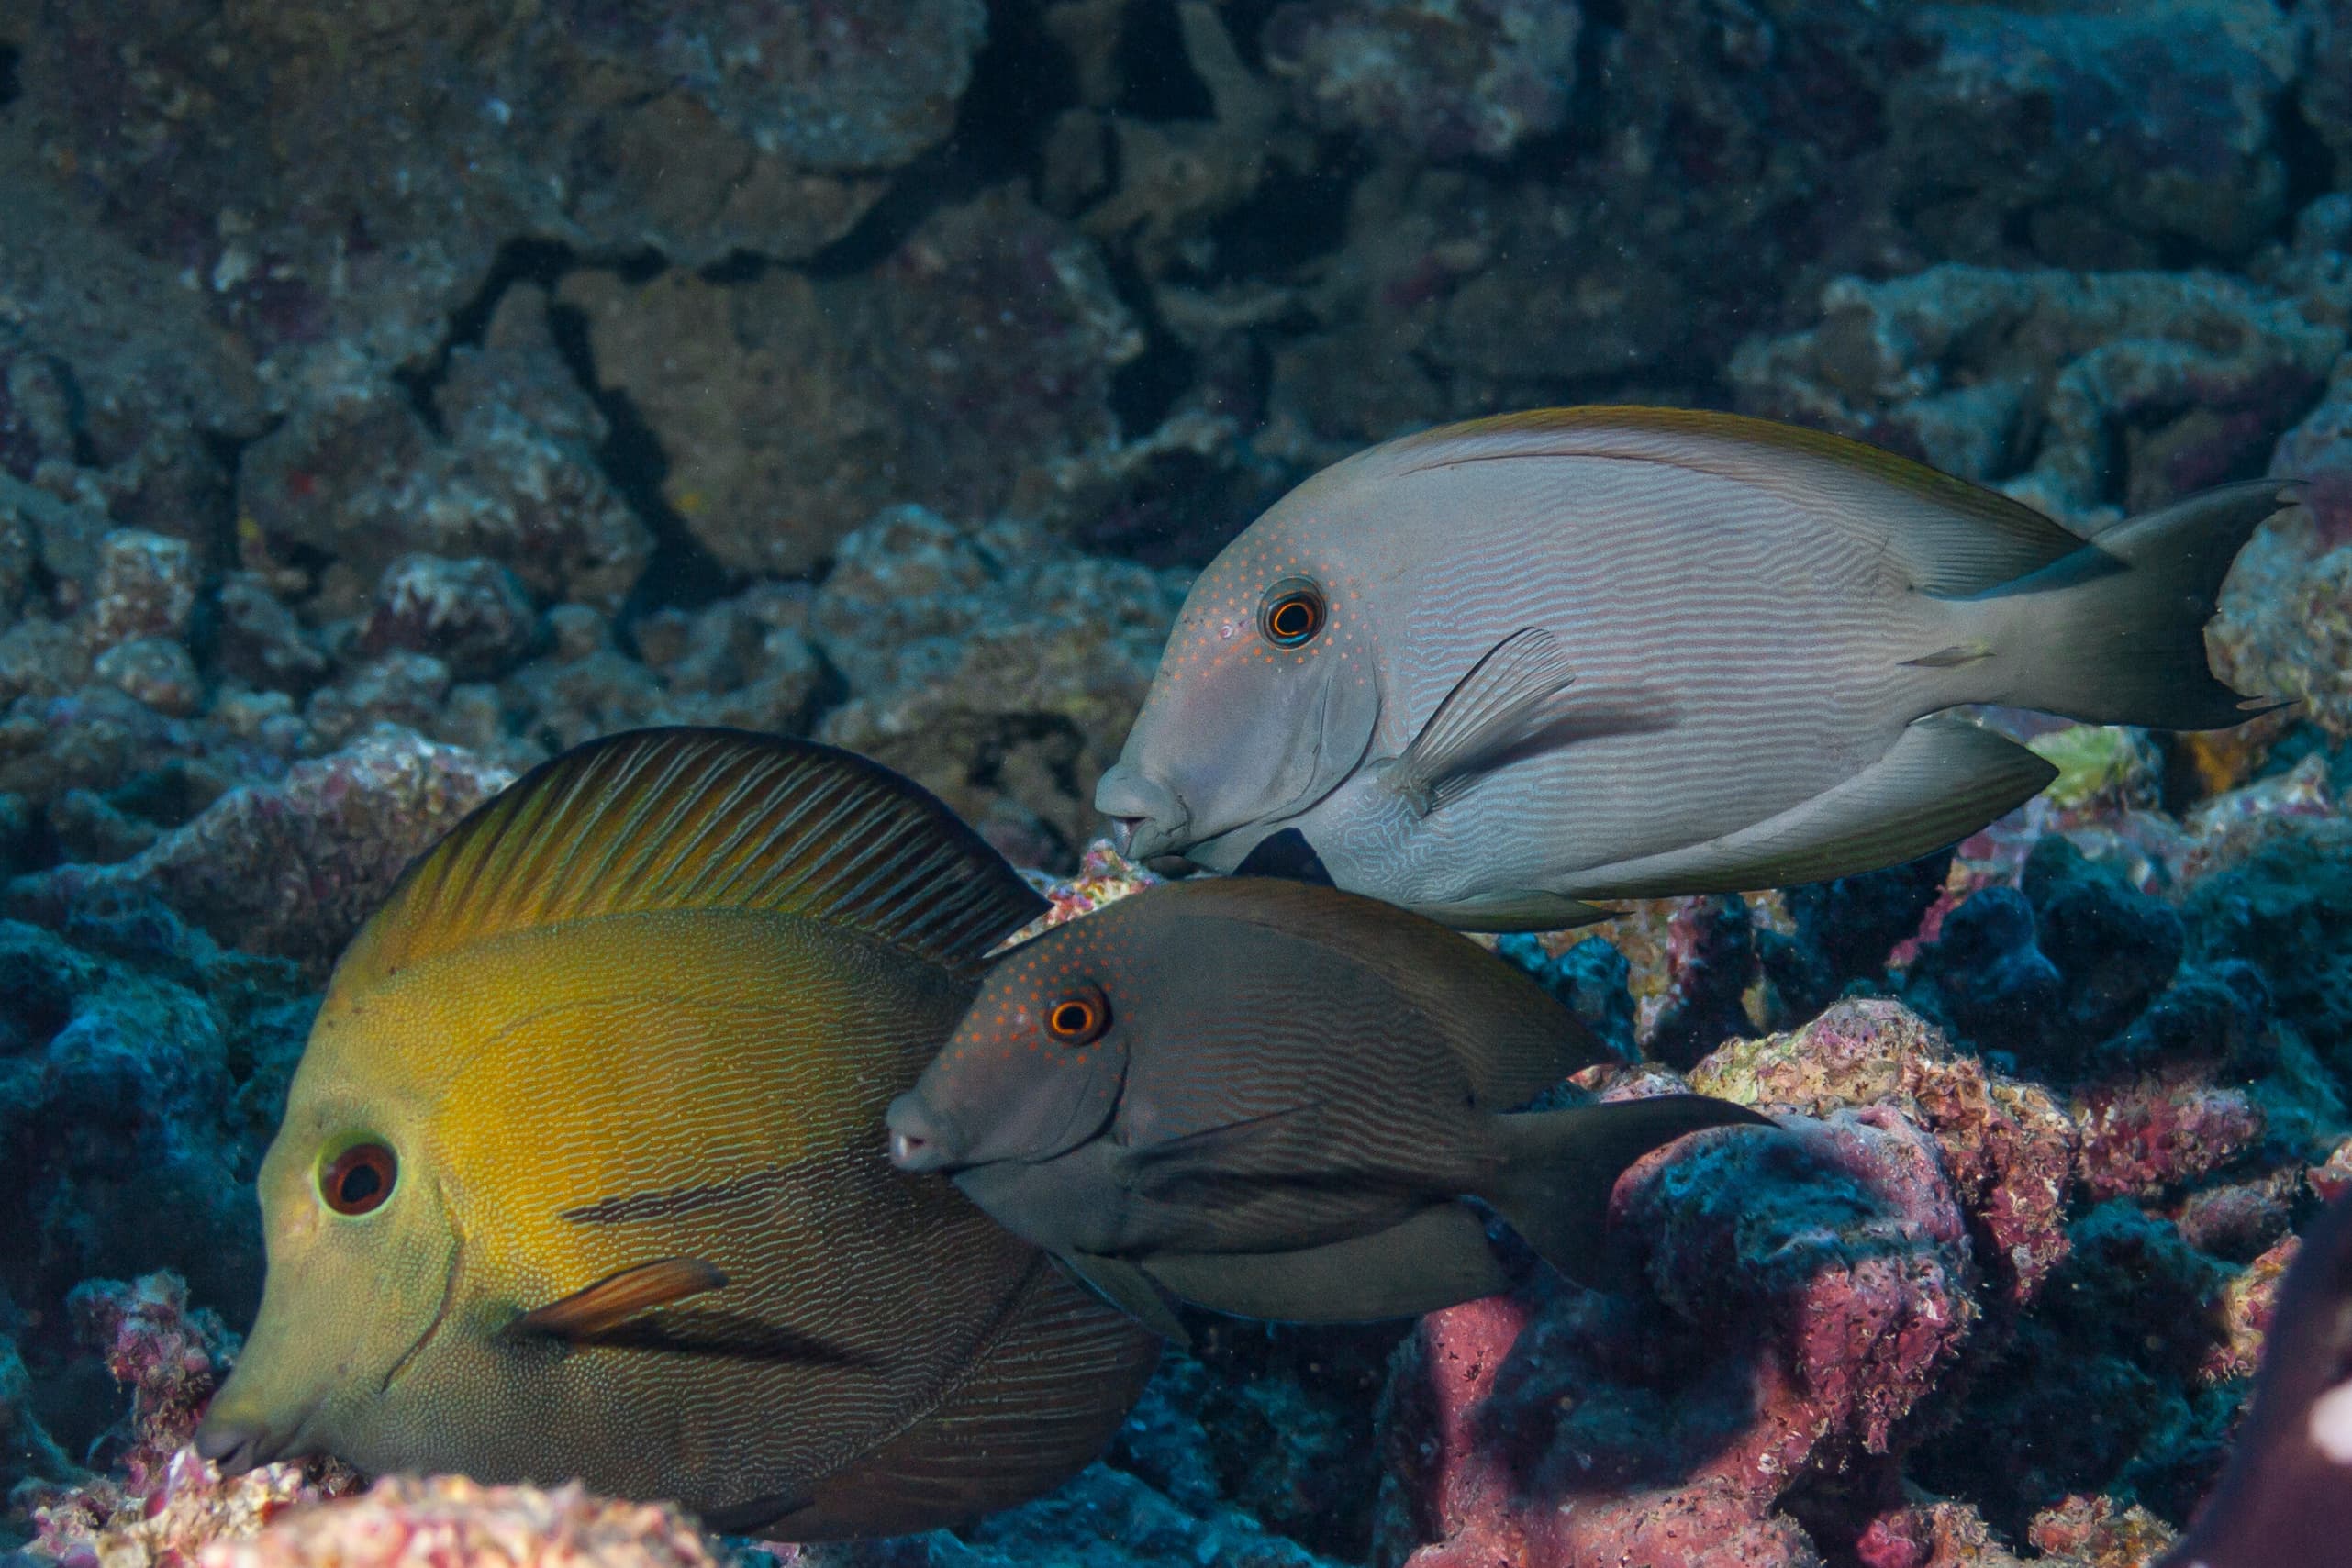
293,868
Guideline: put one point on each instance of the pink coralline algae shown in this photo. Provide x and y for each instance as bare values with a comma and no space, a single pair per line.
1818,1281
161,1507
2007,1146
2157,1131
1104,877
2246,1303
450,1522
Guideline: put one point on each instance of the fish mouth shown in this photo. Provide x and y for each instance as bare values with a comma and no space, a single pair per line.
918,1143
236,1447
1148,817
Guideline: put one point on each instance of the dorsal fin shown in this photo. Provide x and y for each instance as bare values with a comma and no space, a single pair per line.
1954,538
692,818
1423,960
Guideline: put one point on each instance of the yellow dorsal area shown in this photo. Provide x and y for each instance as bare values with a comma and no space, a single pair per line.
687,818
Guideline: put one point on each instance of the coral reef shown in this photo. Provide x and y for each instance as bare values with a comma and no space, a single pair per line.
445,1521
389,401
159,1504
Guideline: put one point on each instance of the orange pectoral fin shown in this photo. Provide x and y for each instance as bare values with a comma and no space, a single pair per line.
618,1297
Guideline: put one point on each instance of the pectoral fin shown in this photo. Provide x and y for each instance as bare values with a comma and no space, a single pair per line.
1128,1288
618,1297
1286,1143
1434,1259
1502,703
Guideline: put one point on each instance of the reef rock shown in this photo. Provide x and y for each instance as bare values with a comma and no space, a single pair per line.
2285,626
358,474
292,868
998,668
2047,117
2007,1145
1443,79
2030,379
1818,1280
340,181
792,408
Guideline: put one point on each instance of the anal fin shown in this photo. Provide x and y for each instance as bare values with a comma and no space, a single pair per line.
1042,1396
1944,778
1522,909
1434,1259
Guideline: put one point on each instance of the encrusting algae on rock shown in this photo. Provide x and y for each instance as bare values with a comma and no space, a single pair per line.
386,410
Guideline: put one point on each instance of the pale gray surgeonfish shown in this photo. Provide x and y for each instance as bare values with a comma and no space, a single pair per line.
1495,670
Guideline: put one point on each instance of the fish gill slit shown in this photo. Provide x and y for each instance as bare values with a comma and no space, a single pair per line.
441,1316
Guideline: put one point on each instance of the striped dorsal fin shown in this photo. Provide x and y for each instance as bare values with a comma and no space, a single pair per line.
692,818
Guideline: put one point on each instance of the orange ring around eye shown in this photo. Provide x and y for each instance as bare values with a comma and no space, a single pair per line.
1077,1019
1292,613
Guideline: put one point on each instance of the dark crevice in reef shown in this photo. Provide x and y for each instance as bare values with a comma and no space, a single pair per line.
2309,161
1020,80
1293,217
1158,82
1245,25
11,85
1145,388
540,261
681,574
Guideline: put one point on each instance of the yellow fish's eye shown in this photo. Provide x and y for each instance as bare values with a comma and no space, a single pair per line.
1078,1018
1292,613
358,1180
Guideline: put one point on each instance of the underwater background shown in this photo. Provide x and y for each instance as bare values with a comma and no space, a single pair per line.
393,394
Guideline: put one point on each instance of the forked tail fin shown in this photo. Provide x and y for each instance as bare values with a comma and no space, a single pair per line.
2115,632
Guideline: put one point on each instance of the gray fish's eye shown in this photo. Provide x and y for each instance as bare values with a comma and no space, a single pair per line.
1293,612
1079,1017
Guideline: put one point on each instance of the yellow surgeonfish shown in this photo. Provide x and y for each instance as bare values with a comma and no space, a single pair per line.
582,1172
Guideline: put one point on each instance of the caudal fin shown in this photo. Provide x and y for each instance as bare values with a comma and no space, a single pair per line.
2115,632
1559,1168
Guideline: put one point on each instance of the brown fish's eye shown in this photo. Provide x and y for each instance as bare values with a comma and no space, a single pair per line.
1293,613
358,1180
1078,1019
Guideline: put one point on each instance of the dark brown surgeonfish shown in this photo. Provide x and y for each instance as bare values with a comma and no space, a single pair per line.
2285,1499
1270,1098
578,1175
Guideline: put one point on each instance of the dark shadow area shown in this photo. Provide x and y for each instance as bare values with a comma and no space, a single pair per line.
1020,80
681,574
540,261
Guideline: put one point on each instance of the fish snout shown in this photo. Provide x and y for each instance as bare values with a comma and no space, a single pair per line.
1149,817
237,1445
918,1141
